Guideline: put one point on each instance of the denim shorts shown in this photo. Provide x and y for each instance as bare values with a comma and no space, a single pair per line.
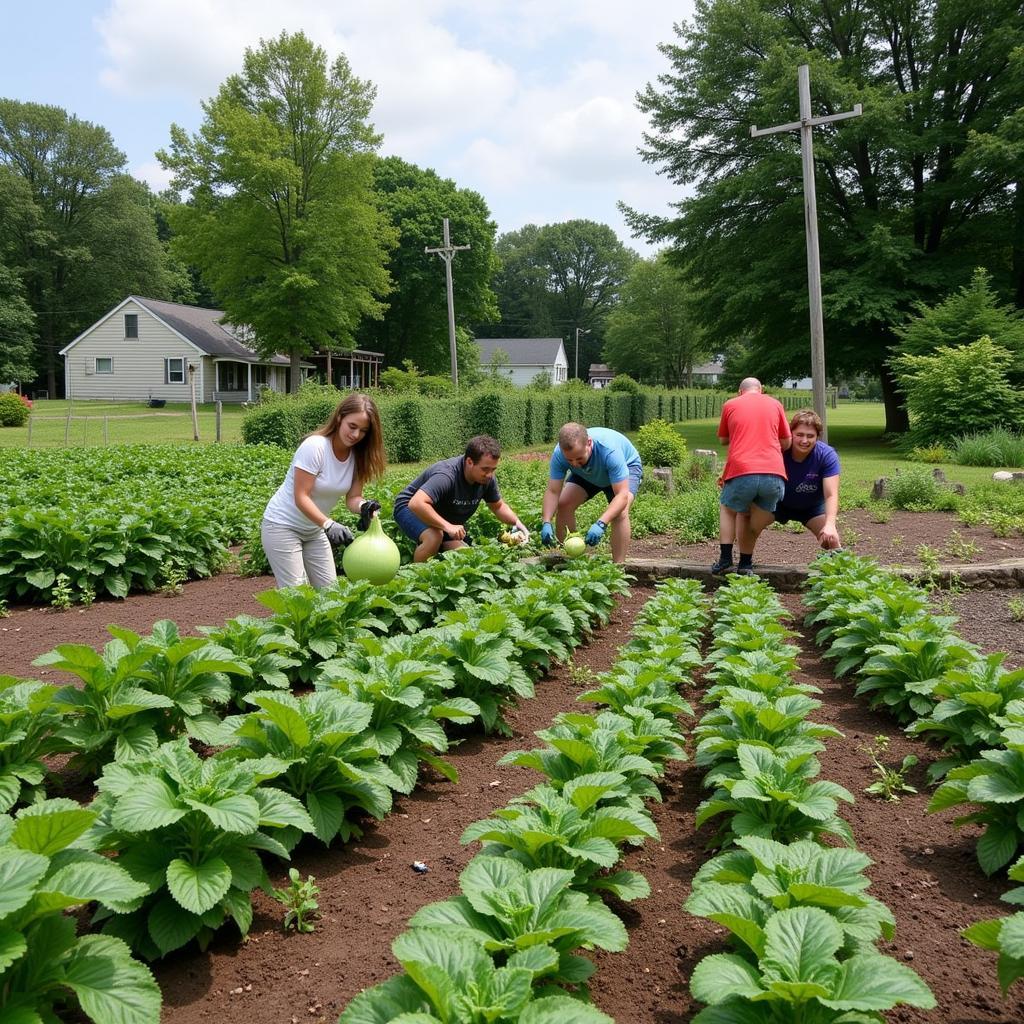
765,490
412,526
636,474
785,514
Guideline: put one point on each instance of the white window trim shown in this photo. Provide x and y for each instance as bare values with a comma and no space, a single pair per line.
167,369
96,365
135,336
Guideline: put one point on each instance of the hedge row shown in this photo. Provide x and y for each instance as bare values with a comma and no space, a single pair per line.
417,428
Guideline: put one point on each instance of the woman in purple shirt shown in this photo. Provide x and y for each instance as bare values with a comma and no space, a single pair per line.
812,481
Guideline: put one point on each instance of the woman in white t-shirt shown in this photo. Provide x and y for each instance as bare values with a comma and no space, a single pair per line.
330,464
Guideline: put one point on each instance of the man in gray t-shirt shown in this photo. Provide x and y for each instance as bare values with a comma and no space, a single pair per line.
434,508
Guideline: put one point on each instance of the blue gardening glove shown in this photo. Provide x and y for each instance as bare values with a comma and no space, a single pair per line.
338,535
366,511
547,535
595,533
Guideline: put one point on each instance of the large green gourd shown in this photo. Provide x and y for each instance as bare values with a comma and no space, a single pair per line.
372,556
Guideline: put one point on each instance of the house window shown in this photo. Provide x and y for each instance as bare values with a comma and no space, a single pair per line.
259,376
131,325
104,364
174,370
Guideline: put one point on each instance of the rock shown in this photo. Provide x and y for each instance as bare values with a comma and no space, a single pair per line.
664,474
709,455
939,475
959,489
879,488
1002,476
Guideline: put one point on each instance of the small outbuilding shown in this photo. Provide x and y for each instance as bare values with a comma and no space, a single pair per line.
524,358
600,375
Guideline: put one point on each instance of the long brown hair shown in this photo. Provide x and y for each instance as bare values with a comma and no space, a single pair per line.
369,452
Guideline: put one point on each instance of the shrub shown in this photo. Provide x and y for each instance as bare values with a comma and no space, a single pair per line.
623,382
660,445
13,410
915,489
930,453
995,447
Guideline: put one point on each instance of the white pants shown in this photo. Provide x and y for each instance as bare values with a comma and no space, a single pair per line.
297,557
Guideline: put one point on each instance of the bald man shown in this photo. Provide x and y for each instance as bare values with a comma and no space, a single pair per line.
755,429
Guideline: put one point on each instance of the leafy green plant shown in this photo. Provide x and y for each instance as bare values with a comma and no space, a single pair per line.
189,831
1004,935
61,595
660,444
880,513
267,649
1015,606
958,547
332,764
508,908
46,968
890,781
775,798
799,977
299,901
545,828
741,889
452,979
28,724
174,577
930,453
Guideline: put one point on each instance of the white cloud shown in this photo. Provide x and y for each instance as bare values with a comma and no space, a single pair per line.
152,173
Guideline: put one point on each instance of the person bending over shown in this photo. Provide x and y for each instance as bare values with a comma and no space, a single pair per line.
754,427
433,510
812,482
588,462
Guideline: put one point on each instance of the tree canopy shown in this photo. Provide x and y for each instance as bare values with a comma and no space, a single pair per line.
912,196
652,334
281,220
76,231
415,324
558,277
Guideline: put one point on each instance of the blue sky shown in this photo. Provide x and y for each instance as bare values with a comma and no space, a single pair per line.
530,102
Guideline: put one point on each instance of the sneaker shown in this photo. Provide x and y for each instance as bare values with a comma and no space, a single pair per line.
721,568
744,570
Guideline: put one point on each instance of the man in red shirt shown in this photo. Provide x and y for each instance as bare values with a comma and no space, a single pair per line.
754,427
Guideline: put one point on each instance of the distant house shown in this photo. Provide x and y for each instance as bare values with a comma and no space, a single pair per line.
144,348
799,384
526,358
600,376
708,373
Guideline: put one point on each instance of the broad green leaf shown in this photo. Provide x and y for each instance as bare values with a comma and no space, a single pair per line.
12,947
236,813
801,940
279,809
724,976
996,847
101,880
561,1010
171,926
326,811
150,804
287,719
984,934
868,981
112,987
1011,937
20,873
198,887
50,826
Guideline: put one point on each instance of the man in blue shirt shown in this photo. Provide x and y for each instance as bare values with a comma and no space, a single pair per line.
812,482
584,463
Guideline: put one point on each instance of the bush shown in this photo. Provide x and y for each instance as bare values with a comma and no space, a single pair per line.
13,410
623,382
996,447
916,489
660,445
930,453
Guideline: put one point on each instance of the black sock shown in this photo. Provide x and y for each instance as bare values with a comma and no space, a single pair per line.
725,553
746,559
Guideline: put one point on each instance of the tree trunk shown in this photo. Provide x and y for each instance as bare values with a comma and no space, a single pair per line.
296,370
897,421
49,359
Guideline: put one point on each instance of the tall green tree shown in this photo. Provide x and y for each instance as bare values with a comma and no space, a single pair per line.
17,330
560,277
83,231
282,221
904,213
415,324
652,334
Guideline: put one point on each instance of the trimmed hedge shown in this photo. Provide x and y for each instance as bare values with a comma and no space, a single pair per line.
417,428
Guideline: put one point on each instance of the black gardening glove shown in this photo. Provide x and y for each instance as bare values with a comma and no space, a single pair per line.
338,535
366,511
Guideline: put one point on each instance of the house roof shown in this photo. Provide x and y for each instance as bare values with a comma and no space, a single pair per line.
601,370
204,329
522,351
709,368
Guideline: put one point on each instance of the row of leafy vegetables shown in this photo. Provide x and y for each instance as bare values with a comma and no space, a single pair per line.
912,663
802,926
510,946
174,844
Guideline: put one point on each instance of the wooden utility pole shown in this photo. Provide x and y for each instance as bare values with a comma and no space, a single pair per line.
806,125
447,253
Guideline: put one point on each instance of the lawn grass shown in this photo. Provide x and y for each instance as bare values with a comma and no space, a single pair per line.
125,423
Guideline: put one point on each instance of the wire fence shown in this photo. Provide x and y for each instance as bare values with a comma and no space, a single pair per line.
157,427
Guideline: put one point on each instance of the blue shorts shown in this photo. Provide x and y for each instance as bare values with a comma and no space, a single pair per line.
412,526
765,490
636,474
788,514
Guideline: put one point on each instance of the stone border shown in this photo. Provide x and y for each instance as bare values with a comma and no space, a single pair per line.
991,576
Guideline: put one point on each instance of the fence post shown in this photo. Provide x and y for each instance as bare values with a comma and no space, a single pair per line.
67,428
106,435
28,443
219,408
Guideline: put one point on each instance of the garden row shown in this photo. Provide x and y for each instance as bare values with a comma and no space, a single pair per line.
188,832
509,947
913,664
802,927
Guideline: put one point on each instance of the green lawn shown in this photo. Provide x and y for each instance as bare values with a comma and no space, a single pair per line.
855,430
94,423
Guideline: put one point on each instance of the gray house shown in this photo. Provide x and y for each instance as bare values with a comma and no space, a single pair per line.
145,348
526,358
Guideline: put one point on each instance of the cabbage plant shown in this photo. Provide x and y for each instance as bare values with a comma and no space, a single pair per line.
189,830
28,722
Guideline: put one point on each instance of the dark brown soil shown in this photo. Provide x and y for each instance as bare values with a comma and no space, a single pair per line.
925,870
